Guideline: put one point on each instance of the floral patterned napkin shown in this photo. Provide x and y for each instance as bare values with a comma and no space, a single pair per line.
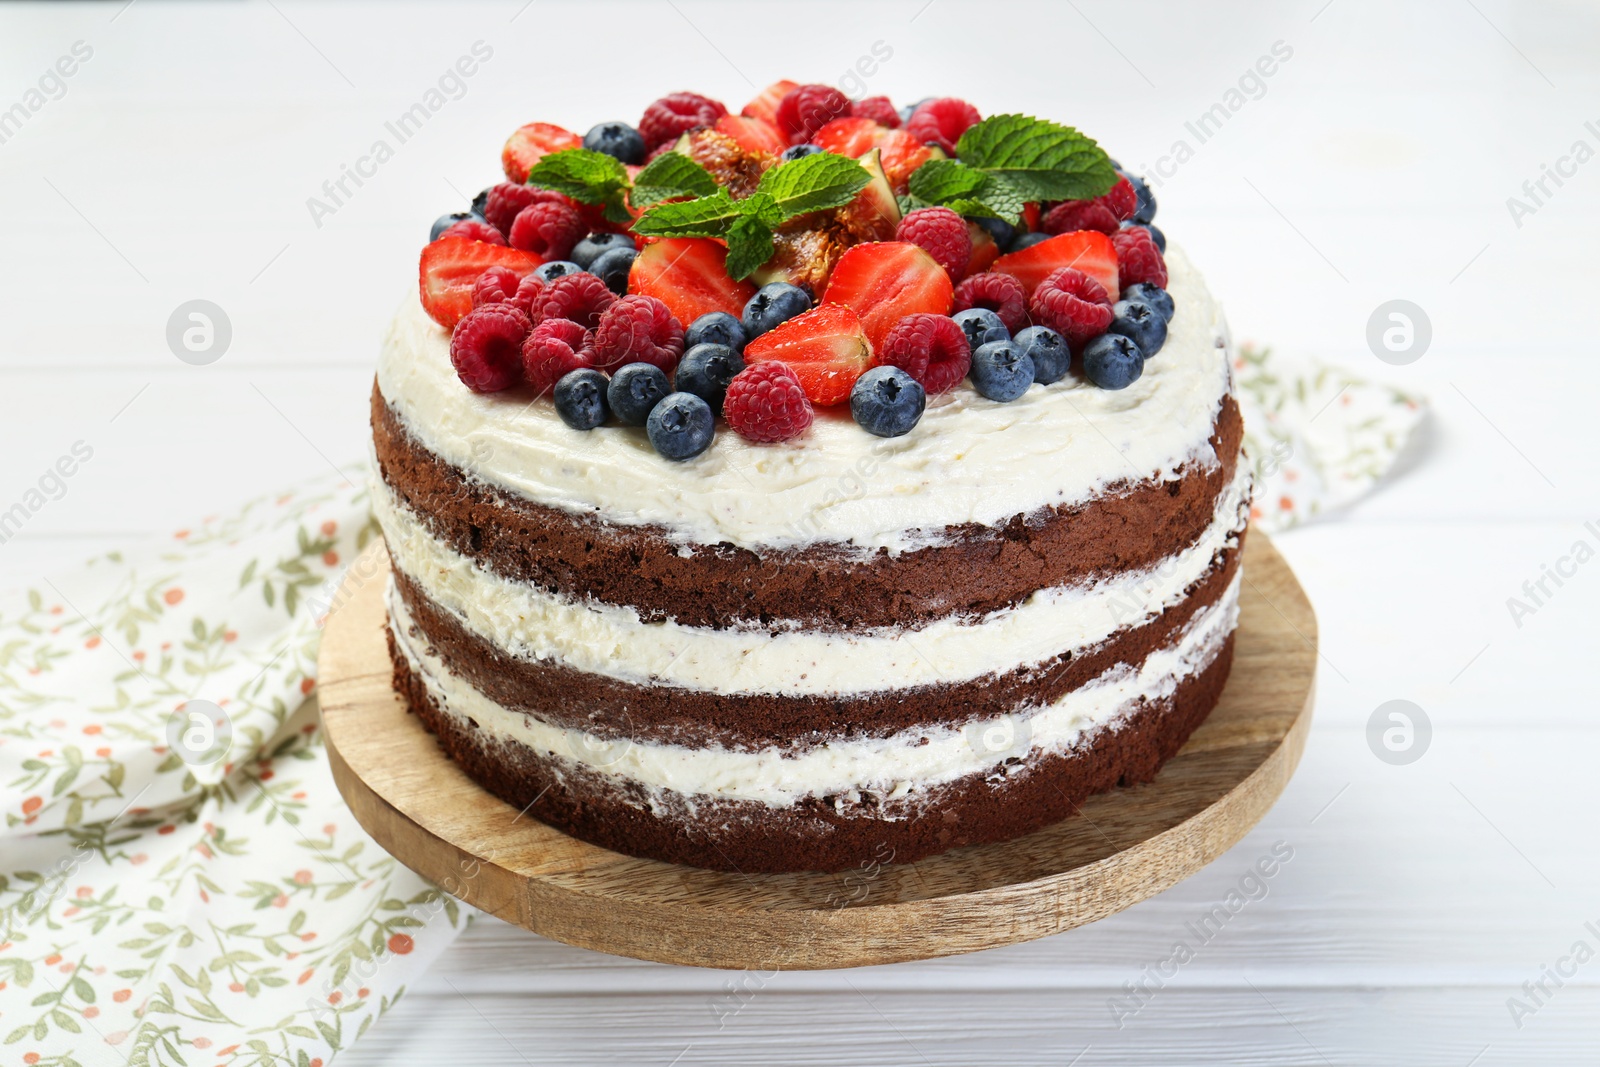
180,881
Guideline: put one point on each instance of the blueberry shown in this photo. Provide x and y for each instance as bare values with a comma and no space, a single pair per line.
1141,323
1002,370
596,244
887,401
634,390
715,328
773,303
617,140
612,268
1155,232
480,202
1049,352
580,398
981,326
1153,295
799,151
1028,240
1112,361
444,222
556,268
1146,211
1001,230
681,426
706,369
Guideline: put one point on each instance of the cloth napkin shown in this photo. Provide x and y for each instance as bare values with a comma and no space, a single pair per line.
180,881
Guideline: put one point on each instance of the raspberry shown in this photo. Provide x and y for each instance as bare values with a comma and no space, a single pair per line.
942,122
765,403
555,348
527,290
807,109
1072,304
473,230
486,347
638,329
503,202
1138,258
878,109
580,297
547,229
1075,215
932,349
497,285
942,234
1121,201
668,118
1000,293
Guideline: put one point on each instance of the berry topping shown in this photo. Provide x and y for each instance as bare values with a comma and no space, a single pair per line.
826,349
617,140
774,303
765,403
942,122
799,151
681,426
486,347
1121,200
887,402
580,398
1138,258
557,268
554,349
1146,209
885,281
524,296
444,222
765,106
690,276
752,135
1002,371
808,108
1155,233
676,114
497,285
999,293
1153,295
502,202
451,266
706,370
580,297
1112,361
1089,252
1072,304
613,268
638,329
532,143
851,136
981,326
942,234
547,229
1072,215
586,251
1140,323
715,328
634,390
1049,352
878,109
933,349
474,230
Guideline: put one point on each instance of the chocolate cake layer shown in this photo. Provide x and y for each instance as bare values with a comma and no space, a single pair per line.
816,834
972,570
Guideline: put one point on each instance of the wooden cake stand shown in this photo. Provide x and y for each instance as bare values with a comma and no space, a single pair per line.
1124,846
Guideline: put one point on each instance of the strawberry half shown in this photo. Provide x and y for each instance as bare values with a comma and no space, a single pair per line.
1085,250
525,147
451,265
690,276
884,281
765,105
902,154
825,347
851,137
753,135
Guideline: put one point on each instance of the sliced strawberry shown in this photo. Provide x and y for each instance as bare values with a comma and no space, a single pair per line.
984,250
753,135
1030,216
1086,250
885,281
825,347
451,265
902,154
525,147
765,105
690,276
851,137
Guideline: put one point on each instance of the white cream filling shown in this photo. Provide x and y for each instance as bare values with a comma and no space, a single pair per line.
612,640
900,767
969,460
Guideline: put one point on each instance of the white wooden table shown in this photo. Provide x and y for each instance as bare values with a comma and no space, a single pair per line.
1375,164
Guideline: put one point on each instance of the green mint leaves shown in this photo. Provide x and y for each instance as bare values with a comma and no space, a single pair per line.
1006,161
812,183
668,176
588,177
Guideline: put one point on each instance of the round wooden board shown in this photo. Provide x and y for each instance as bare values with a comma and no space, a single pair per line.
1124,846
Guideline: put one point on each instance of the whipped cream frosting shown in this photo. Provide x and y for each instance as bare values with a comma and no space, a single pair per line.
970,460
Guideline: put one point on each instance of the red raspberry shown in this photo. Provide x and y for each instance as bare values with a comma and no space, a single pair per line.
808,108
942,122
1000,293
671,116
473,230
1122,201
547,229
526,292
500,207
1073,215
638,329
1072,304
580,297
486,347
931,348
878,109
555,348
497,285
765,403
942,234
1138,258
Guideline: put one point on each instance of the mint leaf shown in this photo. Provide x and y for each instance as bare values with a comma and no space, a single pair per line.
812,183
709,216
588,177
749,246
1040,160
965,190
668,176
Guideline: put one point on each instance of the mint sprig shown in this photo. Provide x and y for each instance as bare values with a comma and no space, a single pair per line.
586,176
668,176
1005,161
